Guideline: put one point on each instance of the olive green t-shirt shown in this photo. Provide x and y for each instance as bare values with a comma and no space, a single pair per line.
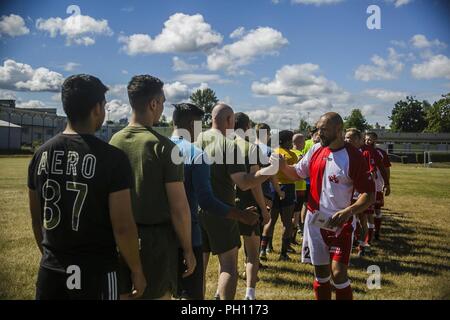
152,167
248,152
222,154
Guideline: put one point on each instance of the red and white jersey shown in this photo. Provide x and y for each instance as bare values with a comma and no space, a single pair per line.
334,176
379,182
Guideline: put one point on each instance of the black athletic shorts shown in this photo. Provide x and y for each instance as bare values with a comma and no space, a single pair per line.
90,285
190,288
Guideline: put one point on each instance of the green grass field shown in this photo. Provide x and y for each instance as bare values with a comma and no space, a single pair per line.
413,255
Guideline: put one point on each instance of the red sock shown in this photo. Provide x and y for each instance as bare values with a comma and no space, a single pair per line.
344,291
369,235
377,224
322,291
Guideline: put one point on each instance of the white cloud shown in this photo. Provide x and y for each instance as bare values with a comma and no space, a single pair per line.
316,2
194,78
13,26
399,3
176,92
180,65
118,92
420,41
238,33
117,110
31,104
435,67
22,77
181,33
386,95
381,69
399,43
78,29
300,83
8,95
70,66
257,42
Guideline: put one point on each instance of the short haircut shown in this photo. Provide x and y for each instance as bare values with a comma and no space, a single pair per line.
80,94
184,113
373,134
142,89
241,121
354,131
262,126
285,136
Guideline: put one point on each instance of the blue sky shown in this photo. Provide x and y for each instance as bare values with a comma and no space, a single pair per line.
279,61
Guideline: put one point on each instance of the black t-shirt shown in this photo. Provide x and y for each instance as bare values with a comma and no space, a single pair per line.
73,176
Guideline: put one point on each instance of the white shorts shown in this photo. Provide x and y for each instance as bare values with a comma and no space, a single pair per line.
321,246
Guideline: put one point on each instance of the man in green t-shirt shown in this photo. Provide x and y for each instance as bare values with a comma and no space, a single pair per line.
221,235
160,207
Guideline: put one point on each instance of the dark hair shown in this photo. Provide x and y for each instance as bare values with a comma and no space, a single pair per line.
142,89
184,113
354,131
80,93
285,136
241,121
262,126
373,134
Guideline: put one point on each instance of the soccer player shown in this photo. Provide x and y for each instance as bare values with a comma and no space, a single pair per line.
160,207
79,194
221,235
251,198
298,142
383,188
262,131
355,138
285,207
336,169
199,193
379,173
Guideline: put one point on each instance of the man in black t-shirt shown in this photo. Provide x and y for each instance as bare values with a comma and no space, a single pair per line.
79,191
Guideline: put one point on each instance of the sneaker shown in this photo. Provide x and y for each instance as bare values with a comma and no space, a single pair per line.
284,257
262,256
216,296
248,298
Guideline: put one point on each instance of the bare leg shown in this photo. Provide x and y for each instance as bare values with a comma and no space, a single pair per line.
228,274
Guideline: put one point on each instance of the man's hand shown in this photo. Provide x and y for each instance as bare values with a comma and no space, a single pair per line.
282,195
139,285
278,161
387,190
340,217
189,262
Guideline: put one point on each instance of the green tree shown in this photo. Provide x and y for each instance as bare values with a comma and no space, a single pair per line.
304,126
438,115
356,120
162,122
205,99
408,116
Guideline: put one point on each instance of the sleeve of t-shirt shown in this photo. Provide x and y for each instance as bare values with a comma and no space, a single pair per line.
202,188
302,167
173,172
359,173
121,176
31,171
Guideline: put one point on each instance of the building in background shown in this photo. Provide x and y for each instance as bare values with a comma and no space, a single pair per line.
37,124
10,134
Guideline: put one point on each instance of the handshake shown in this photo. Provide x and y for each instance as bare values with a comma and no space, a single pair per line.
277,163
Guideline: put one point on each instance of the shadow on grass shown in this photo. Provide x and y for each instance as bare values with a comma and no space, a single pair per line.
401,237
